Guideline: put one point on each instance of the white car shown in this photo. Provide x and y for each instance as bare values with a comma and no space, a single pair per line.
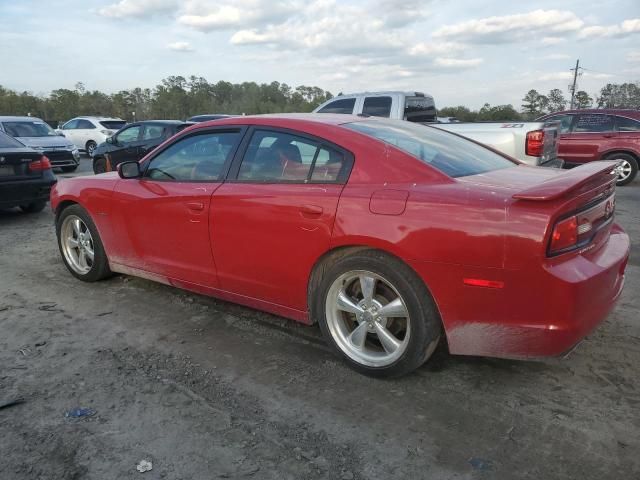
87,133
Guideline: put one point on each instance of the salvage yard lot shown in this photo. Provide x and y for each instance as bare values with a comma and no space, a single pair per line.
205,389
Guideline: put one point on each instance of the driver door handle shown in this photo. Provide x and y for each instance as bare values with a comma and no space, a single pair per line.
311,211
195,206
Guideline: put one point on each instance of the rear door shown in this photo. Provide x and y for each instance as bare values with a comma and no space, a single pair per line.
84,132
590,134
70,131
125,145
274,216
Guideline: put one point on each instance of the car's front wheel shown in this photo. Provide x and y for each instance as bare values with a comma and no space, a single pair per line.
80,245
377,314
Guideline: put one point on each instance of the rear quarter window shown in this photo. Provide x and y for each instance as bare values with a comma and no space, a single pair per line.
627,124
344,105
448,153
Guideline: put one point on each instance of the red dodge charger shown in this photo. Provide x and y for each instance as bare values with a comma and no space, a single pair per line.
387,233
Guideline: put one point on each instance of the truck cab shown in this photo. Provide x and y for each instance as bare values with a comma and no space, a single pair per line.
411,106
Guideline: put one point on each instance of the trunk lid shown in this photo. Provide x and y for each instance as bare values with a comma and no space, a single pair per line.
14,164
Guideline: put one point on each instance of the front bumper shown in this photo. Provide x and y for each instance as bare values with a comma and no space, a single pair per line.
62,158
24,192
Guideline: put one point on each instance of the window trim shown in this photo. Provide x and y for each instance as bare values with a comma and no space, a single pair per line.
240,129
342,178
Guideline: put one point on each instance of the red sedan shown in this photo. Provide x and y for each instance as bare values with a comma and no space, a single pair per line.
386,233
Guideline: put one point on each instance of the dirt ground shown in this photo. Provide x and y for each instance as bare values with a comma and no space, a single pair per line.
205,389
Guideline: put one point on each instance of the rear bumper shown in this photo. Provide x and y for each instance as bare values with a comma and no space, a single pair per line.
537,314
22,192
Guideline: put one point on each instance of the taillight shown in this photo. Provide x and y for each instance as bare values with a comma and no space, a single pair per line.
40,165
535,143
564,235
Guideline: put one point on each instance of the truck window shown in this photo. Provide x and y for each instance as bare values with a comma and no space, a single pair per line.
377,106
419,109
593,123
343,105
452,155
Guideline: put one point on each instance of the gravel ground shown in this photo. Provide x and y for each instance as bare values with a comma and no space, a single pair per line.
205,389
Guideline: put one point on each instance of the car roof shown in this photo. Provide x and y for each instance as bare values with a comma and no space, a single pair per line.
286,118
9,118
412,93
99,119
625,112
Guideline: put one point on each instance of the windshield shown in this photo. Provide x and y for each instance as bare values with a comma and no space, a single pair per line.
8,142
452,155
113,124
29,128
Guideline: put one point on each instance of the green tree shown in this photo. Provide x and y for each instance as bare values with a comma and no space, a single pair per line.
625,95
556,101
583,100
534,104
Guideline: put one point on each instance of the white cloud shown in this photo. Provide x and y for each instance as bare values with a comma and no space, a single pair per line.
457,63
633,56
207,15
556,56
137,8
507,28
547,41
626,28
180,46
569,76
435,48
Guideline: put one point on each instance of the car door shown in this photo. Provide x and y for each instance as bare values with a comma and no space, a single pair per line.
273,217
162,218
84,132
69,130
590,133
125,145
152,136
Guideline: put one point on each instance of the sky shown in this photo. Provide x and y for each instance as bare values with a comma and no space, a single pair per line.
463,52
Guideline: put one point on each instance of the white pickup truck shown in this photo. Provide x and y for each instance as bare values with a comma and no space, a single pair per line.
534,143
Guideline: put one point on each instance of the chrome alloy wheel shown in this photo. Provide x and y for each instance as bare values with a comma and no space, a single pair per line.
77,244
623,169
367,318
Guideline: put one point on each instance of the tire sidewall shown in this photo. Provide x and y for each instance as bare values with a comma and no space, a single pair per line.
634,167
88,150
100,267
425,323
97,161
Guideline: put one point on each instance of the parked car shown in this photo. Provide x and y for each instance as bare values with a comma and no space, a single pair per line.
386,233
207,117
133,142
609,134
534,143
529,142
410,106
87,133
25,176
35,133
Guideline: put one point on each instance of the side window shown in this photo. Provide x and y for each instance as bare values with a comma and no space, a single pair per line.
85,125
377,106
593,123
199,157
71,125
281,157
128,134
627,124
344,105
152,132
565,122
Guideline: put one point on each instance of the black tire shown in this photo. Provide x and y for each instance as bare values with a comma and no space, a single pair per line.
425,320
99,165
100,267
90,147
34,207
631,161
69,169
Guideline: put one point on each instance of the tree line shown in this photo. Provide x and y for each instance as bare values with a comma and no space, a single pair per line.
177,97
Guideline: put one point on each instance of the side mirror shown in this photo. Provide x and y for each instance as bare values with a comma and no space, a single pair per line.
111,140
129,170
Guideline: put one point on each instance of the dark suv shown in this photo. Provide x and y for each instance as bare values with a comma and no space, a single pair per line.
588,135
134,141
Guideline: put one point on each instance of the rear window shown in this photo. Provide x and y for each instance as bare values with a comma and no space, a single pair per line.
113,124
344,105
7,142
419,109
627,124
452,155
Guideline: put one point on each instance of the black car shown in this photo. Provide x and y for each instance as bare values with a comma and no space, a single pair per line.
26,177
207,117
134,141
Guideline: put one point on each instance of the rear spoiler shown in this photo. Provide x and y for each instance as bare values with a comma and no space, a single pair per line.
568,181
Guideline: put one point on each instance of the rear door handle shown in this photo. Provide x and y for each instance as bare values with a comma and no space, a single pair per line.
195,206
311,211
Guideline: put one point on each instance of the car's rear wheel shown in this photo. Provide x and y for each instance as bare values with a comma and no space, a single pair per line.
90,147
80,245
377,314
628,168
33,207
99,165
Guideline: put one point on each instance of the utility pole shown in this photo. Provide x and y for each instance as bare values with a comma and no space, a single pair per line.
573,86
